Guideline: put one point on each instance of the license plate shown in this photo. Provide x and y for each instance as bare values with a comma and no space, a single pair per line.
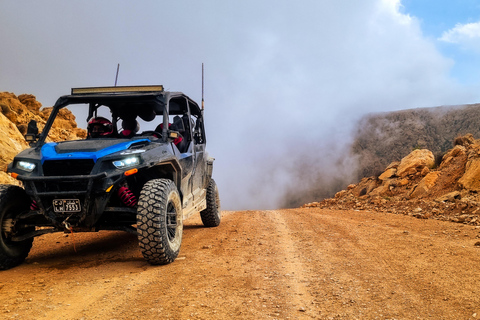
66,205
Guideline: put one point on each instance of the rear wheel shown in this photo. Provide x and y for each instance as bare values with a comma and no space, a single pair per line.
159,221
211,216
13,201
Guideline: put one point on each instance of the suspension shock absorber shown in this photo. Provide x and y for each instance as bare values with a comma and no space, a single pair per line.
33,205
127,196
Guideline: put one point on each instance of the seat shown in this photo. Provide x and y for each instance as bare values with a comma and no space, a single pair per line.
130,128
177,126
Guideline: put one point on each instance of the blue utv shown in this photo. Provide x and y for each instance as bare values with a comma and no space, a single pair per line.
118,178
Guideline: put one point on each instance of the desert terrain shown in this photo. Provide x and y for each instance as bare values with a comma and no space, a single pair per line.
307,263
403,244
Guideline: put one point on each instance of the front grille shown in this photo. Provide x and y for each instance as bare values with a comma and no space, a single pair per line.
61,186
72,167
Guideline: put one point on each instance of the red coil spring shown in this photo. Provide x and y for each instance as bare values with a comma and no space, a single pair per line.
33,206
127,197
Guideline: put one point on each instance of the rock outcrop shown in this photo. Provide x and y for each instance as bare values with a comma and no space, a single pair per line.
416,187
15,113
415,162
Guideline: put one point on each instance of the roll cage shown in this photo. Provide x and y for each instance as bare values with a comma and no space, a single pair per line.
130,103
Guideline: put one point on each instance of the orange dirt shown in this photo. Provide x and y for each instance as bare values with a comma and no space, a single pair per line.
280,264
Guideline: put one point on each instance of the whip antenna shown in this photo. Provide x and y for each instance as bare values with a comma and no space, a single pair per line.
202,89
116,77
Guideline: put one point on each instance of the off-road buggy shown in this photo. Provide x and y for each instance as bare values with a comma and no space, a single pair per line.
120,178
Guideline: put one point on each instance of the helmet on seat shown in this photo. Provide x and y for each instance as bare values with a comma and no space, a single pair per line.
99,127
130,128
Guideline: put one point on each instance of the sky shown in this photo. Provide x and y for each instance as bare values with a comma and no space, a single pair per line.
454,27
284,84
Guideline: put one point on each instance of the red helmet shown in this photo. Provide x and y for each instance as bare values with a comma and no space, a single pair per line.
99,127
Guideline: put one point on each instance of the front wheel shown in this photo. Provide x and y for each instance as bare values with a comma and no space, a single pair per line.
13,201
159,221
211,216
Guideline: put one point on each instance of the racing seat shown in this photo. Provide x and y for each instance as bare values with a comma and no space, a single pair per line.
177,125
188,124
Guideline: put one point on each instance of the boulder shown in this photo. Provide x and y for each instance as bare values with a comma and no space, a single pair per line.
383,190
365,186
340,193
394,164
425,171
449,197
471,178
457,151
415,161
424,186
11,141
465,140
388,174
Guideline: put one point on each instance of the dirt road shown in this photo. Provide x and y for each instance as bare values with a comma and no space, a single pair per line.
282,264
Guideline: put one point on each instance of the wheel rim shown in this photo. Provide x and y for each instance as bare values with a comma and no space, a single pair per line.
3,231
5,228
171,222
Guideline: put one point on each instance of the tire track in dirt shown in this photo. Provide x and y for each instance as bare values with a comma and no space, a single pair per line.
290,263
350,279
371,267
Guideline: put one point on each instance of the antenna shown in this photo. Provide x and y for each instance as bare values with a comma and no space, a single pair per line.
202,88
116,77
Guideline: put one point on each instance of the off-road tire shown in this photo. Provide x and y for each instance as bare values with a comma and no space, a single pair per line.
211,216
159,221
13,201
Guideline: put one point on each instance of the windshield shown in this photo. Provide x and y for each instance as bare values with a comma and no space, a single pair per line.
125,116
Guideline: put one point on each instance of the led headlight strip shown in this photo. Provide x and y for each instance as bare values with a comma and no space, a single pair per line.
126,162
26,166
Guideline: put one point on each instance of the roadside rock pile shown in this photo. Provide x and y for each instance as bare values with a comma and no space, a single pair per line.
15,113
419,187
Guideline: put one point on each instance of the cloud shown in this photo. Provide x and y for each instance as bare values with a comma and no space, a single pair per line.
392,9
308,82
284,84
466,35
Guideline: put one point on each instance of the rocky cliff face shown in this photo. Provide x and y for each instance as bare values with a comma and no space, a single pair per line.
16,112
418,186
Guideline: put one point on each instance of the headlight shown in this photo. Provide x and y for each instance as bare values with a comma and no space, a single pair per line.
26,166
126,163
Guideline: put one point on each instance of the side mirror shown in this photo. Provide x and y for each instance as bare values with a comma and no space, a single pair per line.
32,132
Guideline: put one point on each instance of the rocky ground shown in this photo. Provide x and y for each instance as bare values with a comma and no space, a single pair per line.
419,187
308,263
